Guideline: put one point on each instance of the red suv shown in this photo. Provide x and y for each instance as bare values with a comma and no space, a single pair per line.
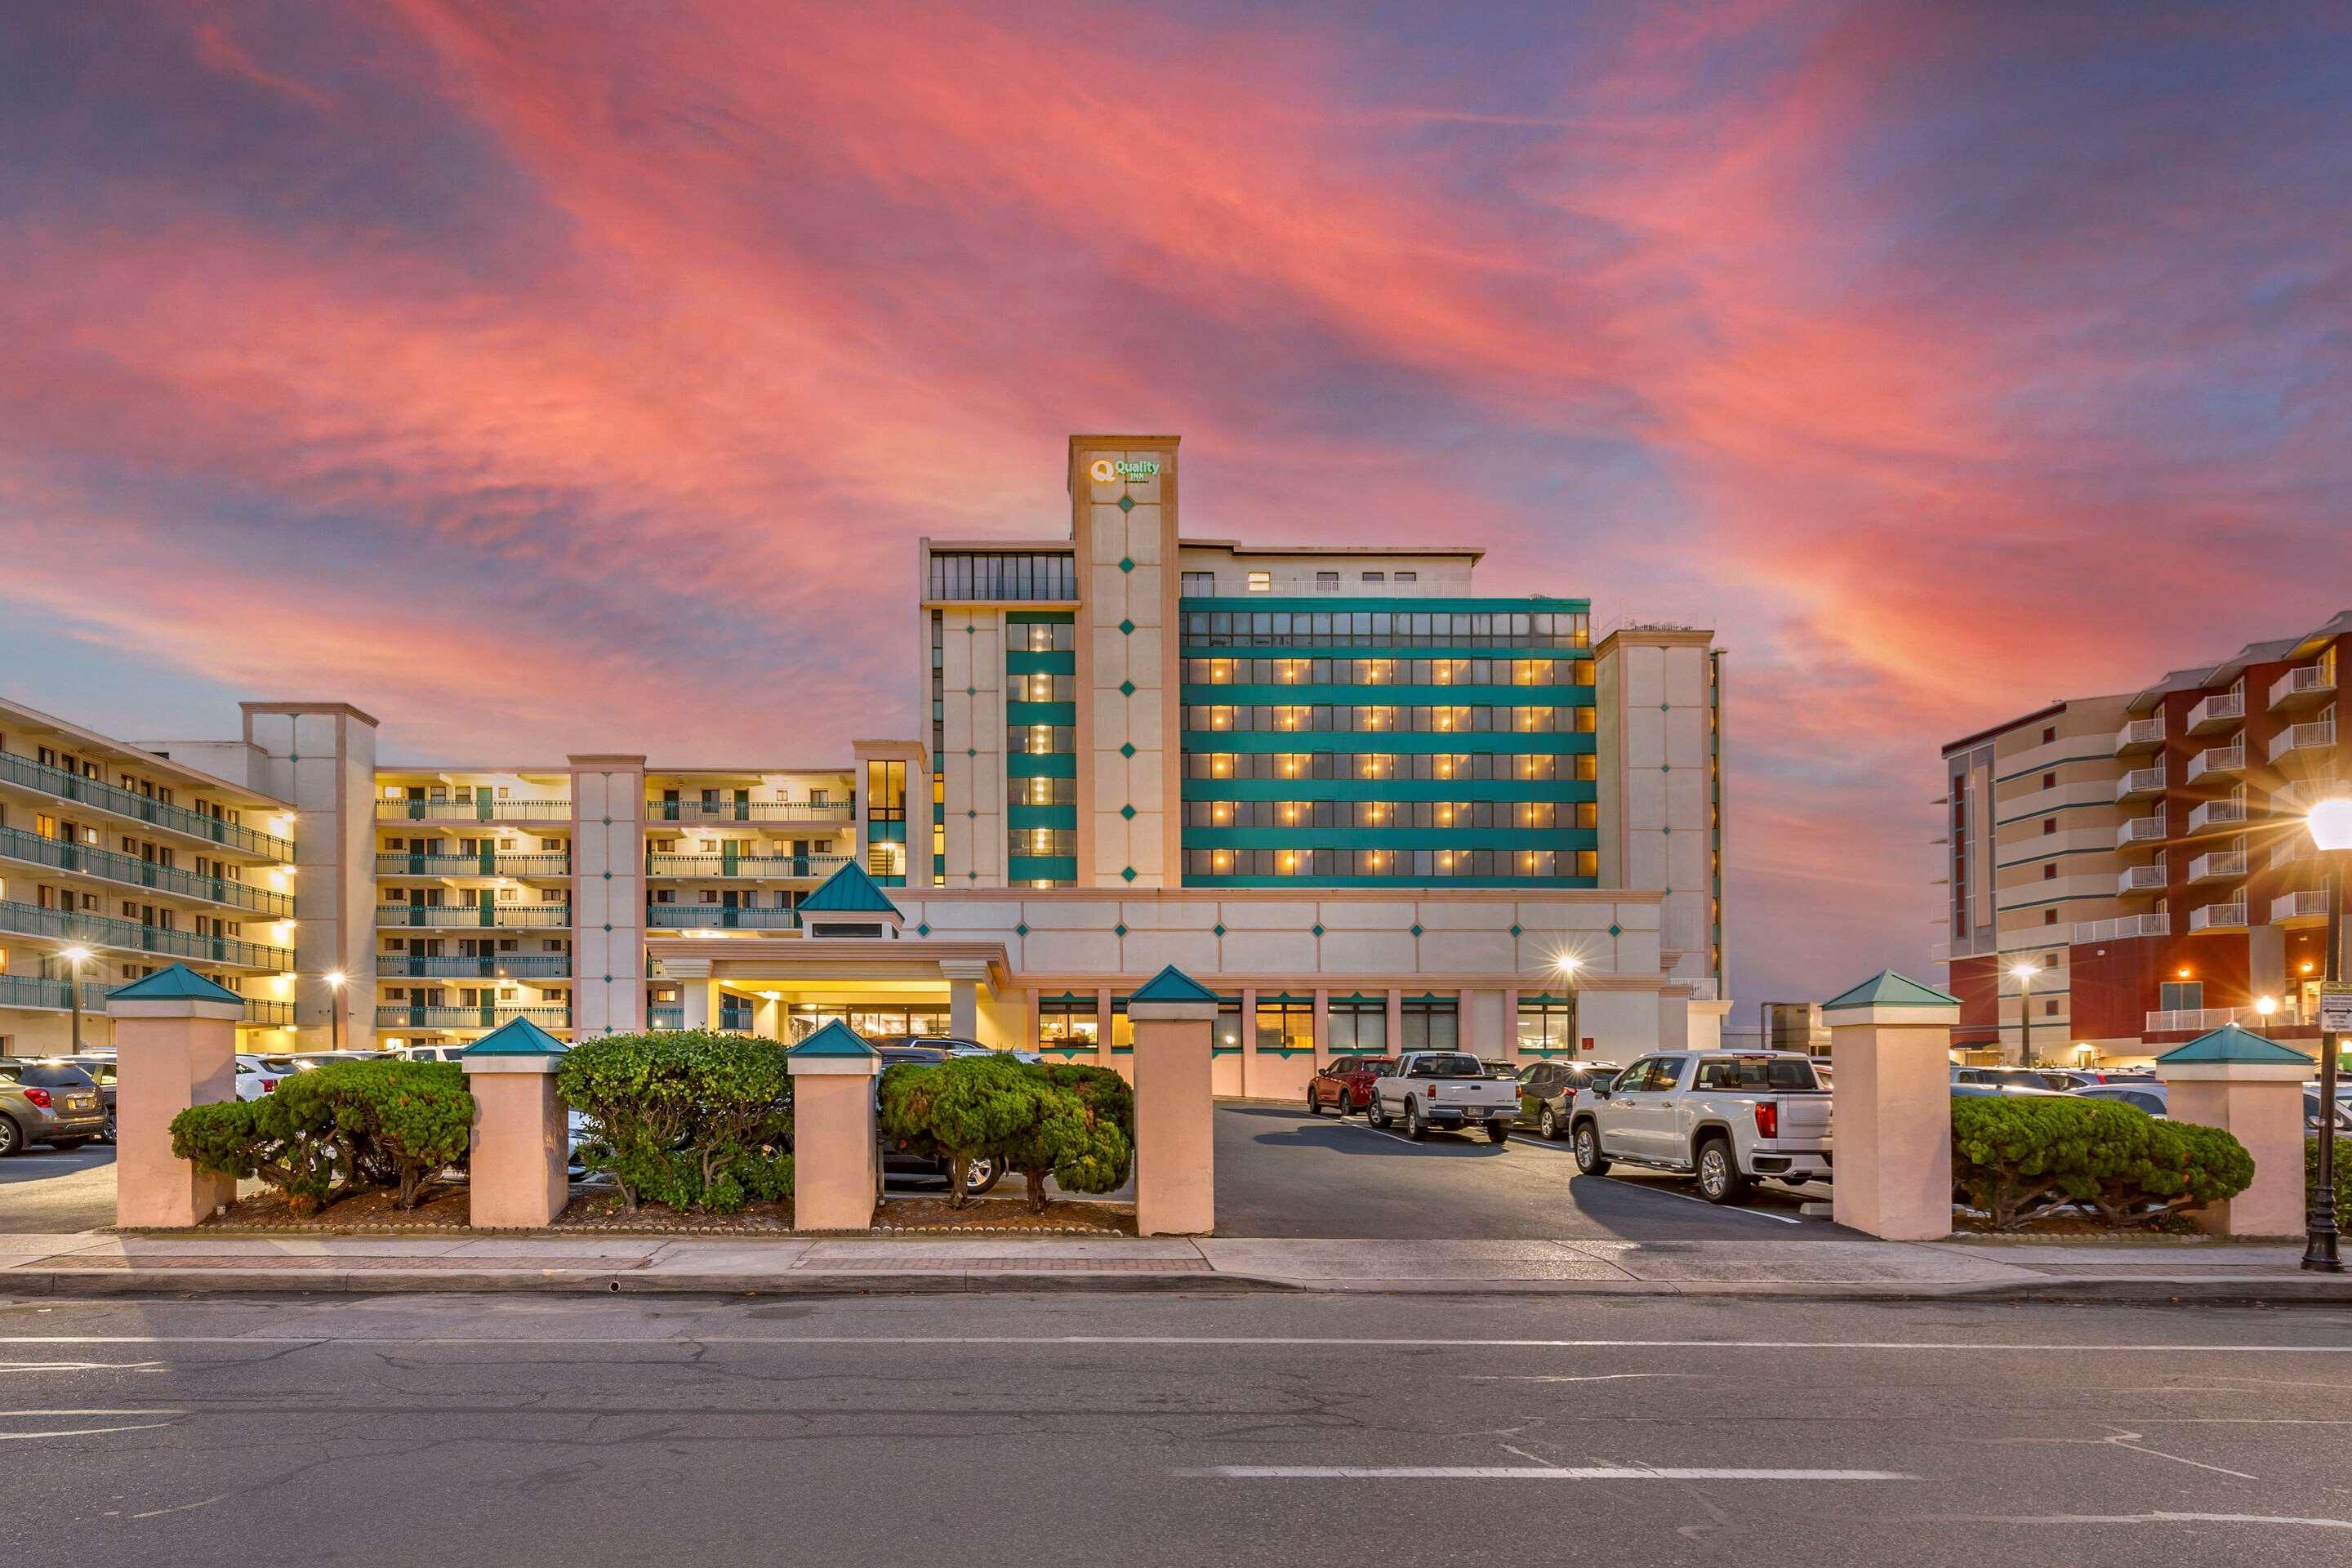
1347,1083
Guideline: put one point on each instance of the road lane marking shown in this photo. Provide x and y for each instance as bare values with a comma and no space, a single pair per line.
183,1508
1275,1340
79,1432
1529,1473
41,1415
2140,1518
1534,1377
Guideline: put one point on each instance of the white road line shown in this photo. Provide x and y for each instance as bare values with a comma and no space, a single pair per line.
1244,1341
1694,1198
2141,1518
183,1508
79,1432
38,1415
1529,1473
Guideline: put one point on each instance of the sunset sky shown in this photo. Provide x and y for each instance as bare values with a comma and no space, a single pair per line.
564,377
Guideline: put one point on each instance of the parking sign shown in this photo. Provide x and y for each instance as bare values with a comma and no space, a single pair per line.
2335,1009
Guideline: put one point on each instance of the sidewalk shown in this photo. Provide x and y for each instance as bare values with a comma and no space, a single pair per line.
100,1263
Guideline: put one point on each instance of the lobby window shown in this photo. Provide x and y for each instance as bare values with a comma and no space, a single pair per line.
1261,582
1285,1021
1068,1020
1547,1023
1360,1024
1430,1024
1327,582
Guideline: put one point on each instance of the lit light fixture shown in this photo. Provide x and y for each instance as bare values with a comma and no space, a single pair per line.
2266,1005
1568,964
2330,822
772,995
2024,973
336,978
75,954
2307,966
2180,974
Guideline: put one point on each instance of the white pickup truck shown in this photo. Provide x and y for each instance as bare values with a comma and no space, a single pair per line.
1726,1117
1443,1089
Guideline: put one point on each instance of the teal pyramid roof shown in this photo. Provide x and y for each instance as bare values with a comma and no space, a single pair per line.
848,891
1173,984
1888,989
836,1040
517,1037
2231,1044
174,982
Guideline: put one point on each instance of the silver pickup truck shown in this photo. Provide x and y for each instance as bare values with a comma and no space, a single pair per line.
1443,1089
1726,1117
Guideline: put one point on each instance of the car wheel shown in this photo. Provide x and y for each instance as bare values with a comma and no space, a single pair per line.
108,1137
1588,1151
1548,1126
67,1145
1719,1181
1348,1106
1498,1131
982,1174
1314,1106
1414,1127
1377,1114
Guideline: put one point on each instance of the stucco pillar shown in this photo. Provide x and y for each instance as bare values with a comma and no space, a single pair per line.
1510,1022
836,1160
517,1174
175,1047
1322,1026
1035,1006
1890,1043
1103,999
1175,1146
2252,1088
963,1008
695,1002
1396,1020
768,1019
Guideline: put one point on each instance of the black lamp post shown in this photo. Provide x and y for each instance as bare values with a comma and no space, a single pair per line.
2331,830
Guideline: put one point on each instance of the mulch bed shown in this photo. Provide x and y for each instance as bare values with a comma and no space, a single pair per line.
1000,1216
447,1208
599,1209
2071,1226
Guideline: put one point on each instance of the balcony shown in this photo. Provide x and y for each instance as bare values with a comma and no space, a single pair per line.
782,866
750,811
2140,784
2199,1020
482,809
488,863
2319,735
2140,735
131,871
2217,713
717,917
2138,833
2305,686
504,967
31,991
2225,813
268,1015
2140,881
2124,930
131,936
2218,866
2307,907
669,1017
29,775
504,917
2218,917
394,1015
2217,762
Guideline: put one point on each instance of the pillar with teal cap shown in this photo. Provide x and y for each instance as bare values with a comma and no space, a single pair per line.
175,1047
1175,1143
518,1174
1890,1058
2252,1088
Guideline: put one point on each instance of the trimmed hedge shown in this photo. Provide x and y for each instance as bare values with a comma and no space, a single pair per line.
324,1134
1074,1124
691,1118
2014,1157
2343,1175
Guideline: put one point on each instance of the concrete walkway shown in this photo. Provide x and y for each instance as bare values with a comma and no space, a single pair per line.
97,1263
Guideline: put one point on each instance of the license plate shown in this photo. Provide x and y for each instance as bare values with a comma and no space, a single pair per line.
80,1103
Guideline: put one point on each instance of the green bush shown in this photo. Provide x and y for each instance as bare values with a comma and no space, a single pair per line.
694,1118
2014,1157
324,1134
1074,1124
1085,1140
2343,1175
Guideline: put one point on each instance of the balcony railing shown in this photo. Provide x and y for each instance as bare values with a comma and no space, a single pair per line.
2141,879
2197,1020
268,1015
2304,686
2140,832
481,808
31,775
506,917
669,1017
705,917
2230,759
131,871
773,866
131,936
396,1015
2308,904
510,966
2140,735
2218,866
750,811
2218,917
2316,736
2218,711
2160,923
487,863
32,990
2216,813
2140,781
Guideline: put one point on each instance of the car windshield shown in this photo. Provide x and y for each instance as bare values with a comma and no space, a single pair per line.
49,1075
1448,1065
1770,1073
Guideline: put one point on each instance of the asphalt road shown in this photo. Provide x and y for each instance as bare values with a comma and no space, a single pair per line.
49,1191
1171,1430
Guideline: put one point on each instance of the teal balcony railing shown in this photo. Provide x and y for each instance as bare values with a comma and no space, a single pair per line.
670,1017
481,808
269,1015
32,990
486,863
130,871
513,965
503,916
755,866
40,776
715,917
750,811
397,1016
131,936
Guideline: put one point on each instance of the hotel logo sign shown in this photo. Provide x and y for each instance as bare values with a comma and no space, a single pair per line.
1106,470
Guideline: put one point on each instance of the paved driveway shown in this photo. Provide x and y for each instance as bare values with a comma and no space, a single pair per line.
49,1191
1281,1173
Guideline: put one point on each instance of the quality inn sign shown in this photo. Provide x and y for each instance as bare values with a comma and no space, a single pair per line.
1105,470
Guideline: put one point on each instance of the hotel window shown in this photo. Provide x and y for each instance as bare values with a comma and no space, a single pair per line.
2050,917
1376,577
1408,576
1327,582
886,792
2049,780
1286,1023
1197,584
2049,734
1547,1023
2180,996
2049,826
1068,1020
2050,1009
1430,1024
2049,870
1261,582
1360,1024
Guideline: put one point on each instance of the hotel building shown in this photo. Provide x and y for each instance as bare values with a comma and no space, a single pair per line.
1370,807
2143,857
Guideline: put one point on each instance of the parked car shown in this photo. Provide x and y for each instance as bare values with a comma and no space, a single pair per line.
2006,1091
1345,1082
978,1176
1726,1117
2056,1079
2155,1097
52,1102
102,1070
1445,1089
1547,1092
949,1046
430,1053
256,1077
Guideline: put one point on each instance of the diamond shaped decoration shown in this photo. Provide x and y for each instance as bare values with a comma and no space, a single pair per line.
1126,564
1127,812
922,928
971,692
1616,930
1317,927
1127,503
1127,748
1126,689
1119,929
1515,927
1126,628
1022,929
1127,873
1219,928
1416,928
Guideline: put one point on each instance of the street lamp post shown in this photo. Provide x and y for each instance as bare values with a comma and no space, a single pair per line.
2266,1005
1568,964
335,1007
2331,831
2023,974
75,957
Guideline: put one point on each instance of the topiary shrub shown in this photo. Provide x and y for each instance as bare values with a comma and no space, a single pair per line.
2343,1175
2015,1156
961,1110
398,1123
691,1118
1084,1136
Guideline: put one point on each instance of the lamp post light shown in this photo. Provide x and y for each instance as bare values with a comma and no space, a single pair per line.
2331,830
1568,964
335,980
2023,974
75,956
2265,1006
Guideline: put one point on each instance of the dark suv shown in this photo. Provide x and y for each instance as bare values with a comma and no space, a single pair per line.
978,1177
1547,1092
51,1102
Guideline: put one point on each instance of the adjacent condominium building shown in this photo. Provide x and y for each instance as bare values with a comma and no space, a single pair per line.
1370,807
2142,859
